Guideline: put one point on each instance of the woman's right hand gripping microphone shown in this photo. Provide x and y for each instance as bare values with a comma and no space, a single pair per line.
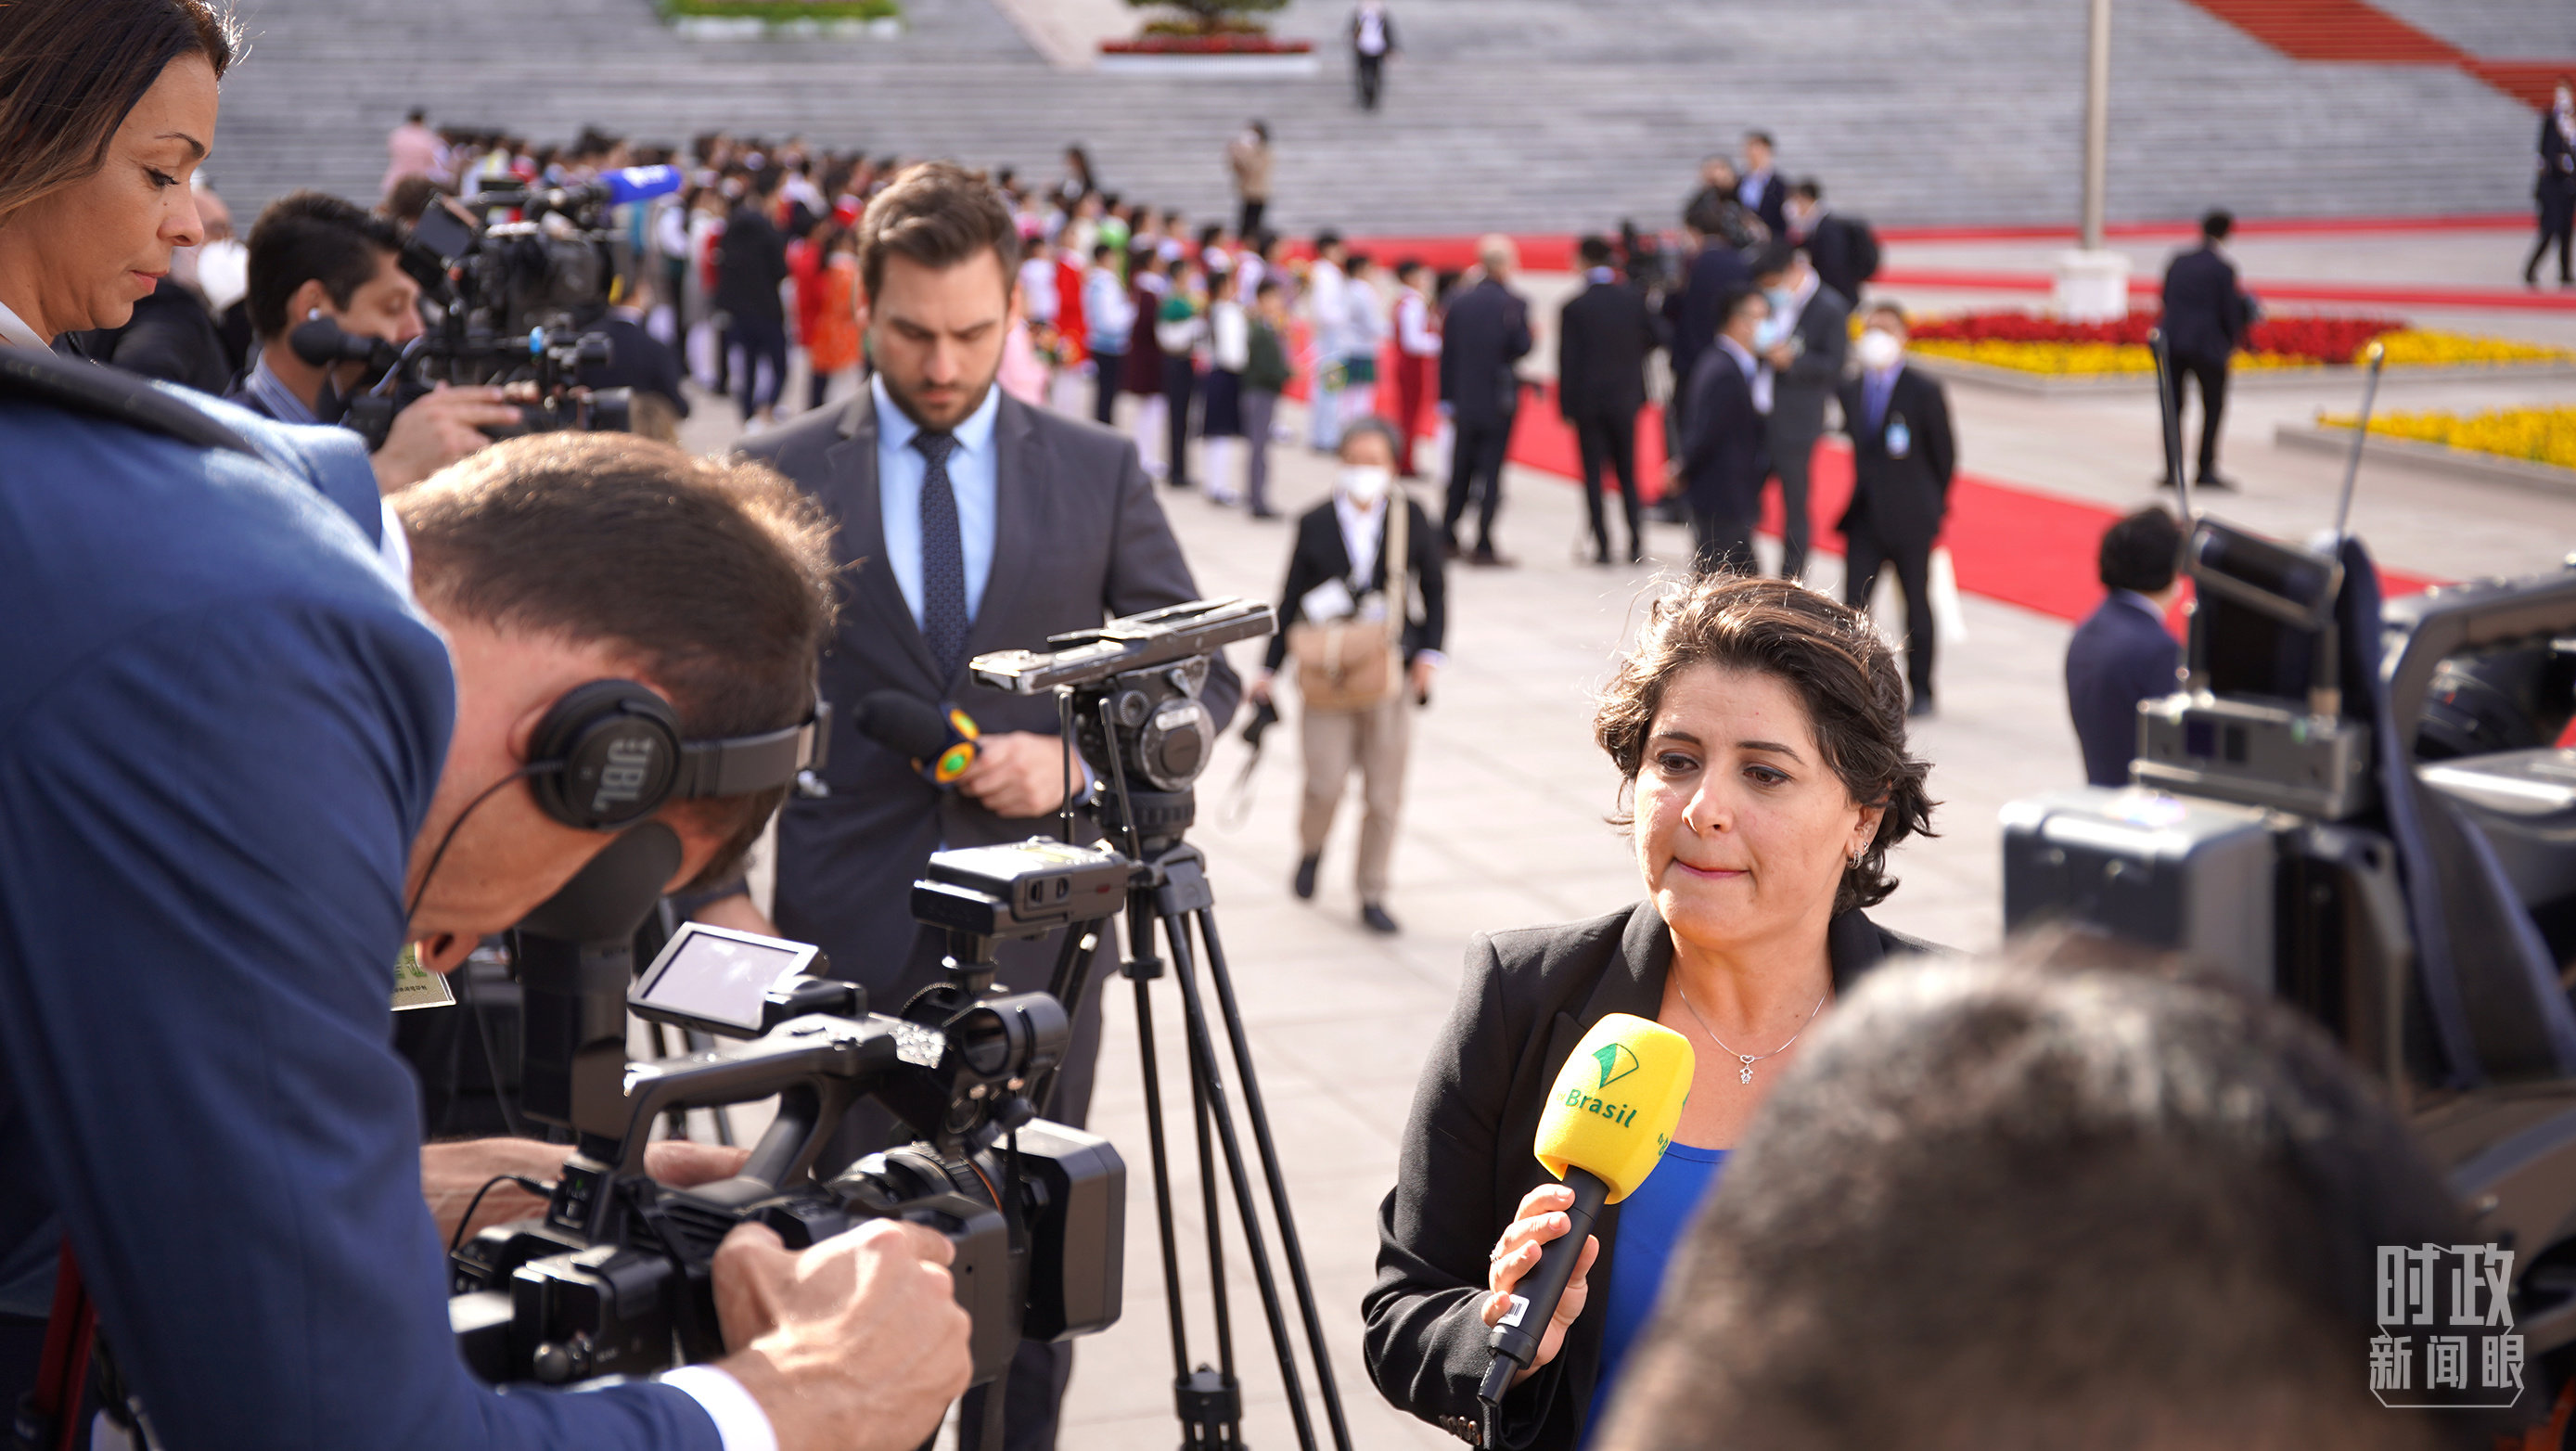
1613,1110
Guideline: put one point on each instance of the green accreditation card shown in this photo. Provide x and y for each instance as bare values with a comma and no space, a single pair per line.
416,986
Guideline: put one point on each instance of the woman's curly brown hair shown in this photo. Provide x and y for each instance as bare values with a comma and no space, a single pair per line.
1829,654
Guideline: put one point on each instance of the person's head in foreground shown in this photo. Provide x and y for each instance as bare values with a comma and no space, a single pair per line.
1760,726
2020,1206
559,559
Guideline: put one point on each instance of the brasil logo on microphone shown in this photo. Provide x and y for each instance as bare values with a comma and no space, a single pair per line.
1617,1061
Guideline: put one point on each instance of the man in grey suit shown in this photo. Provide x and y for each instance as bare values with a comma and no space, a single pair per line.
968,522
1809,334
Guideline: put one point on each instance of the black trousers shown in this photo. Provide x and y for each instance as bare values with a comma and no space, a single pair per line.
1180,385
2557,224
1372,74
1793,455
762,339
2211,374
1722,541
1247,223
1609,441
1108,368
1863,556
1476,461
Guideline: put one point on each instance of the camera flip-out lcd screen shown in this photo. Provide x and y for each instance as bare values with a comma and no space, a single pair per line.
718,977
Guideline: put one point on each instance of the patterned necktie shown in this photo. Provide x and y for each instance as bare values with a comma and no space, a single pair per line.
943,557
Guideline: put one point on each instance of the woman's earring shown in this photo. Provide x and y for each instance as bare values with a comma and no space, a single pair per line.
1857,853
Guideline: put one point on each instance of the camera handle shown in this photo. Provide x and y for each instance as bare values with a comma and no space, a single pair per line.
814,1065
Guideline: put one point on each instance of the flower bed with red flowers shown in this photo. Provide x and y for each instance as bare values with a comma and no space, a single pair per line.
2307,339
1236,44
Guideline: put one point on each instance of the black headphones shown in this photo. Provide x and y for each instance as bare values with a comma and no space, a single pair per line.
610,754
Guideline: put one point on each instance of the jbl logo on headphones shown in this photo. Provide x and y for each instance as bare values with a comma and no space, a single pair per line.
623,776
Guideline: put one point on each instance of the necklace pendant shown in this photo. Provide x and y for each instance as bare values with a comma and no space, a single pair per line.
1746,1074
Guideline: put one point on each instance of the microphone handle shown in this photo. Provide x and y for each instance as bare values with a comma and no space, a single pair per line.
1515,1346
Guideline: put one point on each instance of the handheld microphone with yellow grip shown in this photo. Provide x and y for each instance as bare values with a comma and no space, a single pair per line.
1613,1110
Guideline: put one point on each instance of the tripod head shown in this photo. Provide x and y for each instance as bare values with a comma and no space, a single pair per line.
1128,696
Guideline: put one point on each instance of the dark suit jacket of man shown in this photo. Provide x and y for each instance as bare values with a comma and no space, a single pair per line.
1773,208
1080,538
1798,392
2120,655
1716,274
1725,452
1602,340
1485,332
2205,315
2555,188
1527,999
1320,555
1843,253
174,338
1902,500
752,262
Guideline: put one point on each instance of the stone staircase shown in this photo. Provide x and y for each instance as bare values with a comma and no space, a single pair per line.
1535,115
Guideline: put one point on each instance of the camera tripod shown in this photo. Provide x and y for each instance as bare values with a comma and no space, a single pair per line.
1170,887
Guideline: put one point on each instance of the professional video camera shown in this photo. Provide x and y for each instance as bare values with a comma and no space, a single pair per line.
515,300
2354,807
615,1279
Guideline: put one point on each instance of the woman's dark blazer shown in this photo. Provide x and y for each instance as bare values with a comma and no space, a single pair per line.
1527,999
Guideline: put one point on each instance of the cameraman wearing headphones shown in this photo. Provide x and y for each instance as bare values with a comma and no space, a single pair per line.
314,255
239,770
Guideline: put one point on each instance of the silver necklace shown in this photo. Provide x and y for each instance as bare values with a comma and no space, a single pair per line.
1748,1059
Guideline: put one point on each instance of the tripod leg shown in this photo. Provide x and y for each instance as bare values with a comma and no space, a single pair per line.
1212,1212
1176,929
1142,969
1260,1116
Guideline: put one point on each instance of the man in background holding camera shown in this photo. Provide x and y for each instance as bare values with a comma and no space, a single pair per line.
314,255
241,772
969,522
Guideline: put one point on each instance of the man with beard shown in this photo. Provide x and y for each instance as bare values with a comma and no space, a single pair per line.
969,522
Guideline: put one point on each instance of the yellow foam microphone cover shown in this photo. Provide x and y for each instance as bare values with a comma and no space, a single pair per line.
1616,1102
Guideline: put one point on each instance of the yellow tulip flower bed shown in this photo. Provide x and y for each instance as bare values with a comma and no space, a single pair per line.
2530,435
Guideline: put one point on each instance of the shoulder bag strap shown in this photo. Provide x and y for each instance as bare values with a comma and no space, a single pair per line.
1399,560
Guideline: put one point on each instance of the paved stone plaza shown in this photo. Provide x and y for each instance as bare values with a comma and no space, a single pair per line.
1504,825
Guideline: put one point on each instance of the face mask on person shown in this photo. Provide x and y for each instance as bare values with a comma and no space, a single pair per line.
1878,349
1365,484
1772,331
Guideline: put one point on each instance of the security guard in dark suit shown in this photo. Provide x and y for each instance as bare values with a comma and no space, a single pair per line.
2206,317
1903,455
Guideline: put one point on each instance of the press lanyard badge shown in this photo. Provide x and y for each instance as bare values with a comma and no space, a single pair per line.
416,986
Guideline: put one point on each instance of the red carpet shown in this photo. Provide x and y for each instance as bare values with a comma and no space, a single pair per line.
2011,544
2006,543
2349,31
1554,252
2354,294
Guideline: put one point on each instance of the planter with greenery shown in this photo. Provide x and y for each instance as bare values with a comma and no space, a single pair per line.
742,18
1207,27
